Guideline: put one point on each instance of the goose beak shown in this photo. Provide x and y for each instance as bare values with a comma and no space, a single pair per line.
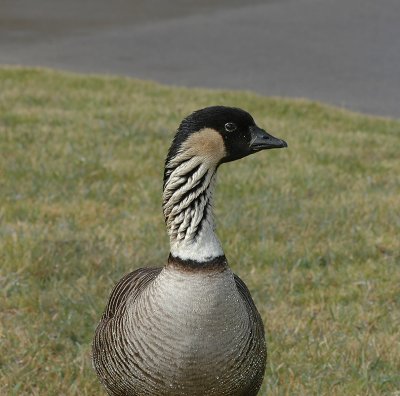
261,140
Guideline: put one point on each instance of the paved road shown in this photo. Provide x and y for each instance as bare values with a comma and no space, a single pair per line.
344,52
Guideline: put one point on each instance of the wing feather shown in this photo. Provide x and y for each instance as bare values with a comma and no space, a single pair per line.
256,337
129,286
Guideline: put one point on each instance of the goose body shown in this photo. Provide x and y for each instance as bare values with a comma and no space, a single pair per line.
191,327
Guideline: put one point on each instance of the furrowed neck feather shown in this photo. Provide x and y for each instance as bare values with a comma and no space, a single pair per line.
187,203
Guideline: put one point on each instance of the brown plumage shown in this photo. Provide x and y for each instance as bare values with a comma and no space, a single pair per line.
111,356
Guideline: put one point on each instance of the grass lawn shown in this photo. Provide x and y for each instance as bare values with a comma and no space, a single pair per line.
313,230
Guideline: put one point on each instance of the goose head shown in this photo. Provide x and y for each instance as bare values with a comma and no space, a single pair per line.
221,134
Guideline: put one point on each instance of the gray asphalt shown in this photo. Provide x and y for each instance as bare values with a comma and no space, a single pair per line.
343,52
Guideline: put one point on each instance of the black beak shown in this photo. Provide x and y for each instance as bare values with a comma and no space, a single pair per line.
261,140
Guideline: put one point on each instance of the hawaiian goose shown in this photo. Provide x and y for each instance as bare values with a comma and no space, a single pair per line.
190,328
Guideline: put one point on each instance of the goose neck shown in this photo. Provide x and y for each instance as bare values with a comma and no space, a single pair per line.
187,206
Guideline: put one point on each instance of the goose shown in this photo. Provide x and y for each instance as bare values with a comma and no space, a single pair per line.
191,327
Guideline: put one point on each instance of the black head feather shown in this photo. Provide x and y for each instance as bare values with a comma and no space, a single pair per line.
214,117
236,126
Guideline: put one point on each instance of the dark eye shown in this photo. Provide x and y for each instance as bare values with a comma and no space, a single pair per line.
230,127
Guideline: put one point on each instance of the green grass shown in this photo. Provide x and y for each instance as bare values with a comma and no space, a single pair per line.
313,230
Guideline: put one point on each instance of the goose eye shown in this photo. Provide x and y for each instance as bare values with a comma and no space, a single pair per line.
230,127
